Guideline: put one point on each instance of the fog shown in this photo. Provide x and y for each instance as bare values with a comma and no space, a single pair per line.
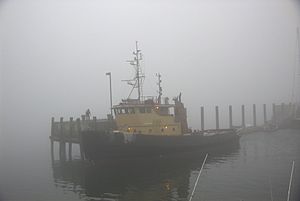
54,56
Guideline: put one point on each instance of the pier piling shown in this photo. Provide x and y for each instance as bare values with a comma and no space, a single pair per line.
243,116
217,117
51,140
52,150
254,115
80,138
230,116
62,143
265,113
202,118
70,135
274,114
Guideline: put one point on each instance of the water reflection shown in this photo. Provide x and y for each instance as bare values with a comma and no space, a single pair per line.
159,178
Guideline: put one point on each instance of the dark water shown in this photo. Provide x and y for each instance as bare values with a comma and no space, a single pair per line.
257,168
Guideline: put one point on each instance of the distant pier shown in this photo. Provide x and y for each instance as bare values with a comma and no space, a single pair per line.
282,114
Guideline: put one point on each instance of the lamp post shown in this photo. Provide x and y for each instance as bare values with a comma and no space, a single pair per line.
110,93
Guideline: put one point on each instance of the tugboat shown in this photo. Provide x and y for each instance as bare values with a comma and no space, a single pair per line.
150,125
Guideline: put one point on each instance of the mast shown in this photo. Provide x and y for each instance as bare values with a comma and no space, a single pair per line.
137,81
137,59
159,87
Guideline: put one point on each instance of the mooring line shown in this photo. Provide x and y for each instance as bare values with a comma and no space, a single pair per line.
271,188
291,178
195,185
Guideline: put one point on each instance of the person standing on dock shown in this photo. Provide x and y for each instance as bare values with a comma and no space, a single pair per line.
88,113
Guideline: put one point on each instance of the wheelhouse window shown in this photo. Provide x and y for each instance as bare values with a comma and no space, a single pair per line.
124,110
164,110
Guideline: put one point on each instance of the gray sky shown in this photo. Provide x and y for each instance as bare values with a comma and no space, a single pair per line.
54,54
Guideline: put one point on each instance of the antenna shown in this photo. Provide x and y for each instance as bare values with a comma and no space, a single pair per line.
159,87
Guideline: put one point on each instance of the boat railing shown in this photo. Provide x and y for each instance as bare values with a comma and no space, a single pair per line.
146,100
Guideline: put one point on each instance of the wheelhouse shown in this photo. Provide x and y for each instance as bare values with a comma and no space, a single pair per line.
147,117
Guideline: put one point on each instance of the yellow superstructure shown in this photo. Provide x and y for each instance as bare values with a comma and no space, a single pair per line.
146,119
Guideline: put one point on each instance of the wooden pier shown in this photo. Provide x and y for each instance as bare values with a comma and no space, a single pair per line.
69,133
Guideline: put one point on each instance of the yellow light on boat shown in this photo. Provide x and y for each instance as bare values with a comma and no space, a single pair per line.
128,129
168,186
156,107
166,127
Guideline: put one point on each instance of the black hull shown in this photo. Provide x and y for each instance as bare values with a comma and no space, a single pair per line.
101,145
115,175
